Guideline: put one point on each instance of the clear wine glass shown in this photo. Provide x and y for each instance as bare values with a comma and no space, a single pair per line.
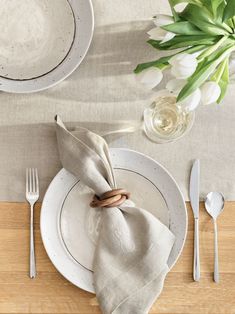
166,121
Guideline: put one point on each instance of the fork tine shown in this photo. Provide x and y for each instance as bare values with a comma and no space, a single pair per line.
37,184
33,180
30,180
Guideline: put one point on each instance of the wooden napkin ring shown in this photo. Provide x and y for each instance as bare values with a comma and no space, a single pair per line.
110,199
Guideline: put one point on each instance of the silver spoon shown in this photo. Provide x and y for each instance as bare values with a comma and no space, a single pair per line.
214,204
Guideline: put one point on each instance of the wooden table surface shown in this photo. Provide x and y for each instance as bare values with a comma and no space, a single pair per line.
51,293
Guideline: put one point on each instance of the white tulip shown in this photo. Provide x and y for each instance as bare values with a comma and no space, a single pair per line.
183,65
180,7
158,33
150,77
163,19
210,92
192,101
174,86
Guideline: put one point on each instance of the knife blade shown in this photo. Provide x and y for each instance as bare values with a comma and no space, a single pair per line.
194,199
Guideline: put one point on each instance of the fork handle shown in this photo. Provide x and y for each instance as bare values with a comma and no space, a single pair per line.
32,263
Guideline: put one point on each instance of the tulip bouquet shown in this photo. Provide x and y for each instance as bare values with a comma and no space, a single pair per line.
200,40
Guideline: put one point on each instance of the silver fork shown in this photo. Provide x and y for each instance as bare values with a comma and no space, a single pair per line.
32,195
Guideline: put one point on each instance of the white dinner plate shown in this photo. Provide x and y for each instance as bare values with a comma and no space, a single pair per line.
42,41
69,227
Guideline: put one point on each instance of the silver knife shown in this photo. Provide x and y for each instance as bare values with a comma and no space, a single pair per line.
194,198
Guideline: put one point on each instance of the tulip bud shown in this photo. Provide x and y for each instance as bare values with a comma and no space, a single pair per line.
180,7
150,77
163,19
183,65
158,33
210,92
192,101
174,86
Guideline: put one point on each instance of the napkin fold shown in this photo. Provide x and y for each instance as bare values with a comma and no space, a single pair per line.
130,262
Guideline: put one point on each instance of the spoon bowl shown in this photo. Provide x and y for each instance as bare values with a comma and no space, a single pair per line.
214,204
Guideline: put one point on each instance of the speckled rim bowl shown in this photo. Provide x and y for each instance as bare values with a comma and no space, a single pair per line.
84,26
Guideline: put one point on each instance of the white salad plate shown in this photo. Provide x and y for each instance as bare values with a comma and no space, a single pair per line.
69,227
42,41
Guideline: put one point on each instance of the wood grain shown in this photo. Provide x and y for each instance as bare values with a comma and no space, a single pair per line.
50,293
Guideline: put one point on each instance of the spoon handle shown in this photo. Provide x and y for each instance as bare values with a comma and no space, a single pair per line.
196,263
216,262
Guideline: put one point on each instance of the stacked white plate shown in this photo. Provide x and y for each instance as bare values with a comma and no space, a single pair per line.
69,227
42,41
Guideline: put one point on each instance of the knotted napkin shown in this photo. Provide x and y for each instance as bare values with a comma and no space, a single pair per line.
130,262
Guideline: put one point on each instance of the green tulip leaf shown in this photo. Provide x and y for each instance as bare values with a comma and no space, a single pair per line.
229,10
205,21
183,28
182,41
218,7
156,63
221,76
224,81
219,71
175,2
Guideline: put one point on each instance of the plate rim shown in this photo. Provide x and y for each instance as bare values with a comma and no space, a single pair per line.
71,258
47,80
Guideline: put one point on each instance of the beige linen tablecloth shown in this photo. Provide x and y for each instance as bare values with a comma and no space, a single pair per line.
103,89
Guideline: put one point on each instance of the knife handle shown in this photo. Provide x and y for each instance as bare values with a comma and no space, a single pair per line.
196,262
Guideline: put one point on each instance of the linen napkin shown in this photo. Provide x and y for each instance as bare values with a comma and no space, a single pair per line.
130,262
